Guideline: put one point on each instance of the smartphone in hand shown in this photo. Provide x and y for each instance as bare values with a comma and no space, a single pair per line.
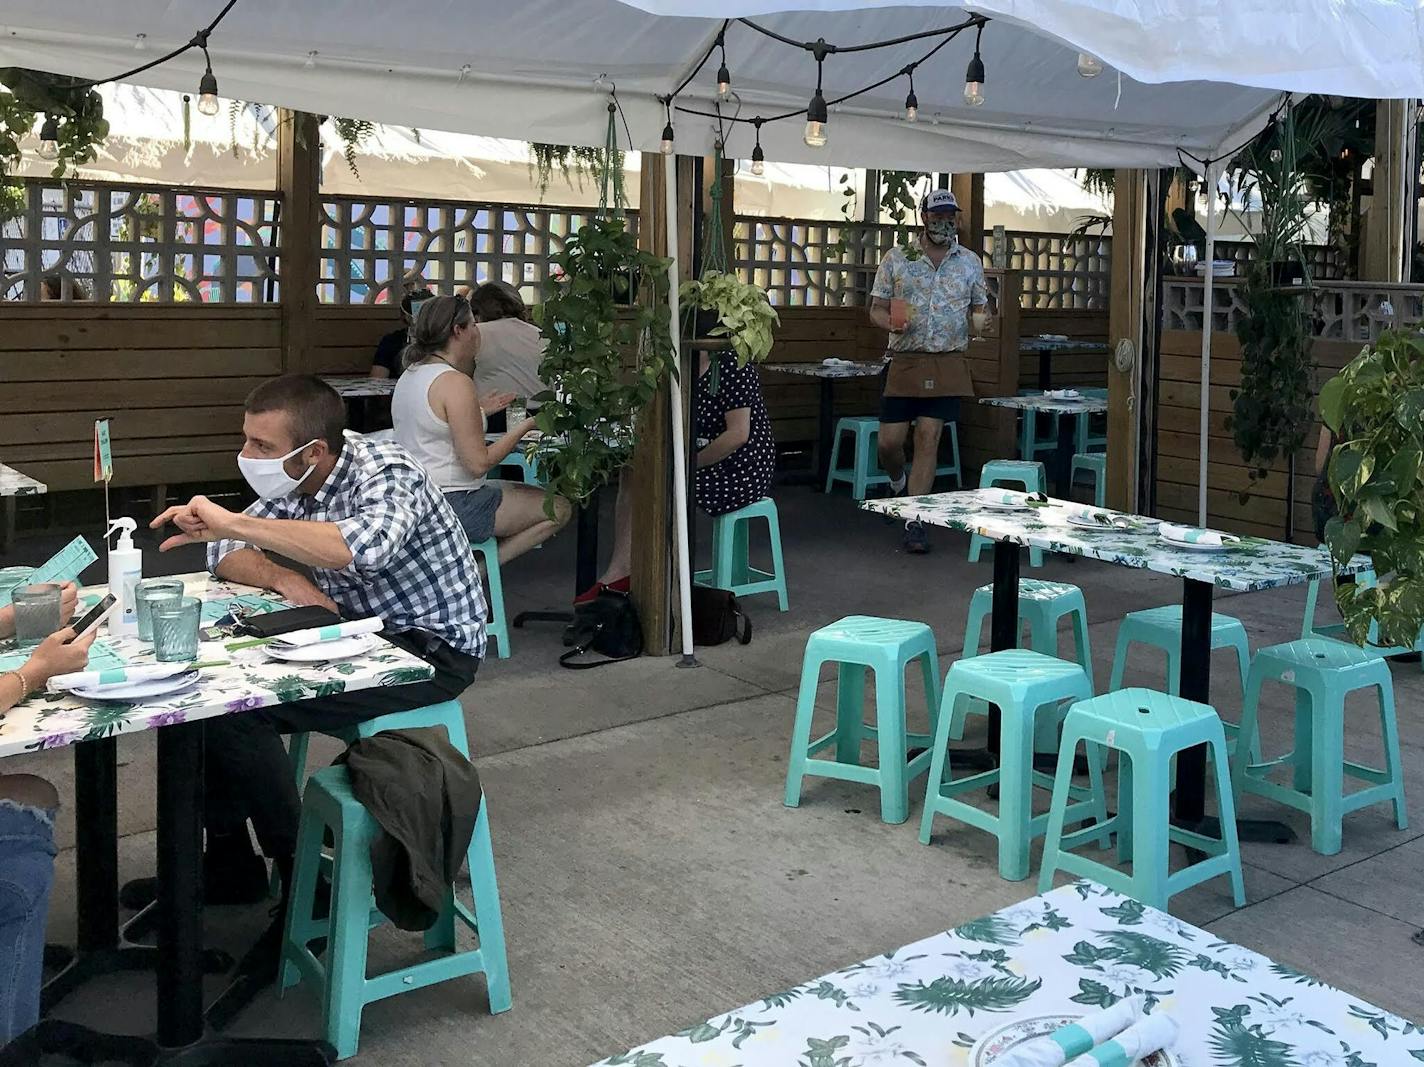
93,617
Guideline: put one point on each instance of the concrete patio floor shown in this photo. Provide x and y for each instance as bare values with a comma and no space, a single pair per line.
651,877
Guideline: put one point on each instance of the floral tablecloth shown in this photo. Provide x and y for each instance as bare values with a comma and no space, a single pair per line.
867,369
1082,405
961,998
13,483
1254,564
1029,345
250,680
351,386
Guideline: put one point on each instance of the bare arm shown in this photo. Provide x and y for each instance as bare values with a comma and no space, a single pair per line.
880,313
455,397
378,371
249,566
737,433
317,544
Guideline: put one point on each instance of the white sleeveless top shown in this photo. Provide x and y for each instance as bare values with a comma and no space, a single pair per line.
424,434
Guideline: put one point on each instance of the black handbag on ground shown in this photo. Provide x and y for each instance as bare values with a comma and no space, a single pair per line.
608,625
717,617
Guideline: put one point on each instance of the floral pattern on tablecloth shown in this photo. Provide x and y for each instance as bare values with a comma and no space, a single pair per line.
351,386
251,680
13,483
867,369
1083,405
1252,565
1030,345
953,1000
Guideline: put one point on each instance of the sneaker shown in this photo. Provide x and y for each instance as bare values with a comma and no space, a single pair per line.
917,542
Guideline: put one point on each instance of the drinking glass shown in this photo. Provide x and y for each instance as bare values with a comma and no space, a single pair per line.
516,412
175,629
151,592
36,612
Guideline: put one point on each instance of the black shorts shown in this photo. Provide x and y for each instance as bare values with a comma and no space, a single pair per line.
910,408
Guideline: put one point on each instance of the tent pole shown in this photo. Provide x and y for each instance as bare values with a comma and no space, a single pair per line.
679,448
1212,177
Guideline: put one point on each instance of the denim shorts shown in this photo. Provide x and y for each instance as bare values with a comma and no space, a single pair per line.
475,509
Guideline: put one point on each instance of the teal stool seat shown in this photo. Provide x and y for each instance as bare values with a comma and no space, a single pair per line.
448,714
1095,464
1022,683
1162,628
1009,473
865,469
730,567
1147,729
340,978
497,625
886,647
1323,672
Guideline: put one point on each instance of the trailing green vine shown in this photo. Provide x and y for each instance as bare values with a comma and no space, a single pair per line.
744,315
899,199
576,164
354,134
72,102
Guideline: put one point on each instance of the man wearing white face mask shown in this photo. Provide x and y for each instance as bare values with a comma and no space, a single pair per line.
927,298
378,539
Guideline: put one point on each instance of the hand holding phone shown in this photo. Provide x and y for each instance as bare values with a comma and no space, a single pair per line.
93,617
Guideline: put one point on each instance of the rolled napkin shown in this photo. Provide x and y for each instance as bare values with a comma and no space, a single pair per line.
144,672
1092,516
832,361
1068,1042
1137,1042
1062,394
1195,535
318,634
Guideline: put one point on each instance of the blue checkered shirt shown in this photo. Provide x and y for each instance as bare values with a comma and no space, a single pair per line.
411,561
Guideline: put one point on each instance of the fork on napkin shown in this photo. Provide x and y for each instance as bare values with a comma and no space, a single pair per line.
1195,535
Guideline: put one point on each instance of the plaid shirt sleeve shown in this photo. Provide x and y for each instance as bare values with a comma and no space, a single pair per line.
387,507
978,288
261,509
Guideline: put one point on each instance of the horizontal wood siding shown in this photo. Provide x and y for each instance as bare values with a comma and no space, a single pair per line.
1262,511
345,338
1069,369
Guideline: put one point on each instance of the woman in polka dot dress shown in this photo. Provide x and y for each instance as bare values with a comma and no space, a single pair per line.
736,453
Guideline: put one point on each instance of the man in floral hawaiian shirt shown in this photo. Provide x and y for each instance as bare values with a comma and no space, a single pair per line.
925,297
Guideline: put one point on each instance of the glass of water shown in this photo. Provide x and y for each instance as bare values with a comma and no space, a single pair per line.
36,612
516,413
150,593
175,629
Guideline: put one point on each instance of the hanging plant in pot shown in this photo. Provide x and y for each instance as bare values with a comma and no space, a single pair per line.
744,315
74,124
1375,409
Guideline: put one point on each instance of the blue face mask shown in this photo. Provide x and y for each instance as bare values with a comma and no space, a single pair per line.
940,230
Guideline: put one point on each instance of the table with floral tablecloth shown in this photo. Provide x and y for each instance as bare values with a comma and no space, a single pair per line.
962,998
360,386
13,483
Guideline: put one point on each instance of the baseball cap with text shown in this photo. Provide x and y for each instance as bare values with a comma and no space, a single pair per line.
938,200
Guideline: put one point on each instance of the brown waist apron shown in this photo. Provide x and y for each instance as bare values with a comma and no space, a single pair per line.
928,374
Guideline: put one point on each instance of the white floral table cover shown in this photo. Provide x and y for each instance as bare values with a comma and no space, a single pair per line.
13,483
962,998
356,385
251,680
1080,405
1254,564
865,369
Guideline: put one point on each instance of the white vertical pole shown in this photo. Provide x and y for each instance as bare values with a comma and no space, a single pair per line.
1212,177
679,451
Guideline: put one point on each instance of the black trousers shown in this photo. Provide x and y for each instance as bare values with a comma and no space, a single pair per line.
249,775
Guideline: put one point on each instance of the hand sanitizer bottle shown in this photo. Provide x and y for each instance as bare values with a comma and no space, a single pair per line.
125,572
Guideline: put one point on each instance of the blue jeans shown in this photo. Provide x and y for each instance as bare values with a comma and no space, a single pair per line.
26,874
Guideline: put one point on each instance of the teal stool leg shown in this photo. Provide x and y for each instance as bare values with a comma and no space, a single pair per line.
1302,778
1226,807
488,915
1015,793
939,765
890,729
834,465
778,567
1124,642
350,926
1062,783
301,903
1124,807
741,547
1149,840
862,465
850,712
1243,664
722,552
1250,711
498,625
1327,764
1307,622
1389,732
929,671
801,731
1081,645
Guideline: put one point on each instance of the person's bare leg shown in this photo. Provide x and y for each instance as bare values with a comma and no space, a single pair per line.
620,562
922,469
521,522
890,444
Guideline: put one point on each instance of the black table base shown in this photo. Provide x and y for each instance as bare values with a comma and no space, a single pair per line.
585,566
53,1037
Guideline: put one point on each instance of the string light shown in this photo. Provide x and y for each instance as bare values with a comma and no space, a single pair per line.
1089,65
310,64
816,117
724,76
758,156
974,75
208,83
140,42
49,139
667,146
912,103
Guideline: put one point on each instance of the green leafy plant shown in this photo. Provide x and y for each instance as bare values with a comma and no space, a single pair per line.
604,362
354,133
899,198
744,315
73,102
576,164
1375,408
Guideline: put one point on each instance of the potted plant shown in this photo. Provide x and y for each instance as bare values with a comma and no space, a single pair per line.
1375,409
74,105
743,314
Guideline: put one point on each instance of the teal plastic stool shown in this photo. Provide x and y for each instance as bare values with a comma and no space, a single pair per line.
1323,672
1162,628
1147,729
1364,579
887,647
448,714
865,467
1096,464
1031,442
1023,683
497,625
1009,473
730,569
527,466
341,979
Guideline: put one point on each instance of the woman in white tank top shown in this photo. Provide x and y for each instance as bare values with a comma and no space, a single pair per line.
437,418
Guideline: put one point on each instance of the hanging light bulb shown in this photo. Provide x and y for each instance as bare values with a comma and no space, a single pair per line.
49,139
974,75
912,107
140,42
1275,154
1089,65
666,147
724,83
310,64
758,156
208,93
816,121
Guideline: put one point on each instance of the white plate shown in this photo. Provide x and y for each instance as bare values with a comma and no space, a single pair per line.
154,687
1006,507
990,1048
1062,394
1191,546
324,651
1088,524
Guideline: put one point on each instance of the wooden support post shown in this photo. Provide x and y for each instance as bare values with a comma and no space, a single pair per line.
1383,252
1129,263
298,170
968,189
